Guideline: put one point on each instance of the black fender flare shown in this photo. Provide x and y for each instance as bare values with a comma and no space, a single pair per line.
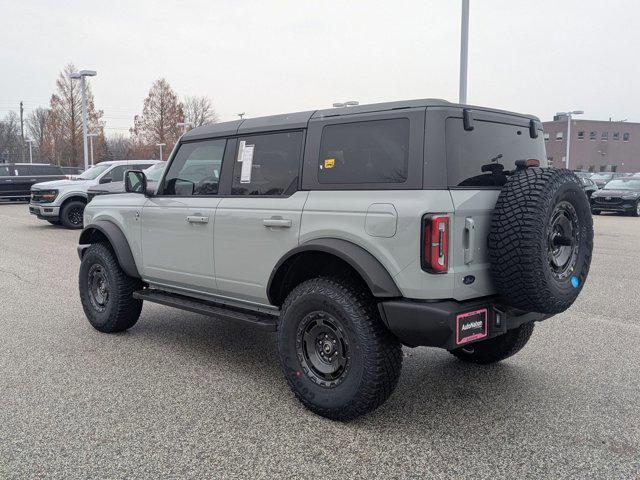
368,267
117,240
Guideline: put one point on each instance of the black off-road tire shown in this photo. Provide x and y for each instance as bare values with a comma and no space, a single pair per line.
496,349
533,211
69,214
120,310
373,355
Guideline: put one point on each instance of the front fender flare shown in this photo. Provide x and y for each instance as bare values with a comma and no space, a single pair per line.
368,267
117,240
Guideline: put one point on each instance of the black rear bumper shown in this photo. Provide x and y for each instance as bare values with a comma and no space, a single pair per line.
437,324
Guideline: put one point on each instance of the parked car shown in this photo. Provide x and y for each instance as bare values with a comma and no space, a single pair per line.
62,202
153,174
602,178
349,231
588,185
621,195
16,179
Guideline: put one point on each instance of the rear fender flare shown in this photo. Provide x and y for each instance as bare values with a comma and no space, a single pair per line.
375,275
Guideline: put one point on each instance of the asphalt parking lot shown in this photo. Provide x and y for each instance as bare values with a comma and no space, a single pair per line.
185,396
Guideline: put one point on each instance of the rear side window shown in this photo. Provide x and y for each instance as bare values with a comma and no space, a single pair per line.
23,170
195,170
365,152
492,145
5,171
267,164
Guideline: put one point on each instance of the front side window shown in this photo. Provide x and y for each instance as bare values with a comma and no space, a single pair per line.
195,170
267,164
365,152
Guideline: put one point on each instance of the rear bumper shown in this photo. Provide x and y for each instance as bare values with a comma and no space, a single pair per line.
436,324
44,211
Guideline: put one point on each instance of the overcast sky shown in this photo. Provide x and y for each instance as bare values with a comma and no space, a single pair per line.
266,57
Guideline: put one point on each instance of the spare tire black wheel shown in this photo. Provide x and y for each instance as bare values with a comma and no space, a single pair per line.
541,240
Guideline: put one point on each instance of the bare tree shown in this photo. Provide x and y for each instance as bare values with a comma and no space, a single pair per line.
63,132
10,141
199,110
160,114
37,126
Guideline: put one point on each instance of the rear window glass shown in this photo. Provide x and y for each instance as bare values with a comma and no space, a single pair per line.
494,146
365,152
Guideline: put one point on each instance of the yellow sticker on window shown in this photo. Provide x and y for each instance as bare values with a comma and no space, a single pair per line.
329,162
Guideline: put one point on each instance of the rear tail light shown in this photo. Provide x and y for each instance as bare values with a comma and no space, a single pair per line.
435,244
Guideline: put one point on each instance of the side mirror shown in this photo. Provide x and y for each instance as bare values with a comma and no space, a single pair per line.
105,179
135,182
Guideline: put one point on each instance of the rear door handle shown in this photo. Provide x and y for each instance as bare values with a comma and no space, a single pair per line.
470,240
197,219
276,222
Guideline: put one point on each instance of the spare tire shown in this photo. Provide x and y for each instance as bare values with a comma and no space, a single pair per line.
541,239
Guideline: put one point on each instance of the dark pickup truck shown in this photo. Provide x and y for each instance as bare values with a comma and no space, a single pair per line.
16,178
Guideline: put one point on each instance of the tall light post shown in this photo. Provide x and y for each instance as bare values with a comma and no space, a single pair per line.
91,137
81,75
464,51
160,145
569,114
30,142
184,126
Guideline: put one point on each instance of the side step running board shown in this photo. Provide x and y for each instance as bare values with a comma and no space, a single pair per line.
262,321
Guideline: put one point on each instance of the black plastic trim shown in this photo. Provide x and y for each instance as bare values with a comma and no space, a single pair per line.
117,240
368,267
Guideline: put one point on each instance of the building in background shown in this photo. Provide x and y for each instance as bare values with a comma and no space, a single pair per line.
596,146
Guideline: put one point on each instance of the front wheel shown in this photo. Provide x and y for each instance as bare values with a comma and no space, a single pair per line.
71,214
106,291
339,359
496,349
636,211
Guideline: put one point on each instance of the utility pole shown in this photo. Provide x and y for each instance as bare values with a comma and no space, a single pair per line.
81,75
91,137
160,145
464,51
22,131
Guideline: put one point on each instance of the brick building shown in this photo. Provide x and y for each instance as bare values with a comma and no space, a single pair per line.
596,145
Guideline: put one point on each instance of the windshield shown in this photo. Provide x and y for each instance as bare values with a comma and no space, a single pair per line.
154,172
94,172
623,185
601,176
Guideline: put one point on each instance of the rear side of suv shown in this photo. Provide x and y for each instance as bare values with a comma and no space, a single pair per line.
350,231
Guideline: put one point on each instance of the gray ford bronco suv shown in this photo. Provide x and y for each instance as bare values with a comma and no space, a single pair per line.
350,232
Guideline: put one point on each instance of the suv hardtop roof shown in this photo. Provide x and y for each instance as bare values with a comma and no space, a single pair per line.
300,119
125,162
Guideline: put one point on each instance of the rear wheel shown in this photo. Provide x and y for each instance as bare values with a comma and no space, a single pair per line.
636,212
71,214
339,359
496,349
106,291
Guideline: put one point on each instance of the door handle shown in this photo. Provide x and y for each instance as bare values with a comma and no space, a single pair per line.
197,219
470,240
276,222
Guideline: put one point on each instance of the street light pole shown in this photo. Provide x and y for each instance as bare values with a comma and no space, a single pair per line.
160,145
83,86
568,150
91,137
30,142
464,51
